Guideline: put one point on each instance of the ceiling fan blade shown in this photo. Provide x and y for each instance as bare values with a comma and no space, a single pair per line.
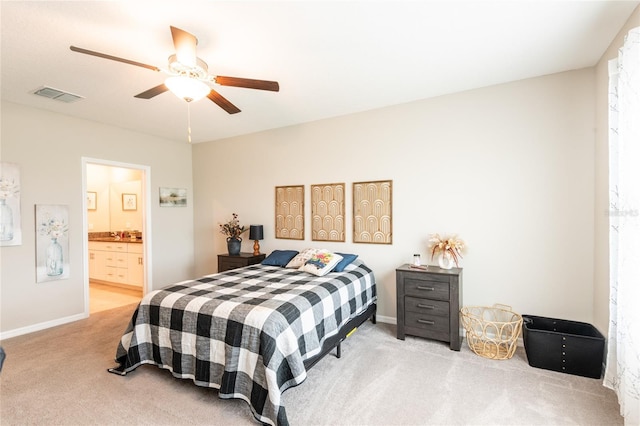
248,83
154,91
222,102
185,44
113,58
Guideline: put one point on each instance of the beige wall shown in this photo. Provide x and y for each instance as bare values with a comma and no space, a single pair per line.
601,259
49,149
509,168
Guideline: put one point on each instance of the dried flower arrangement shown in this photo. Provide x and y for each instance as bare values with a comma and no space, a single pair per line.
232,229
451,244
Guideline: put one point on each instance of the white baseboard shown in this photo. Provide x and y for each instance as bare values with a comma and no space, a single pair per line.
41,326
386,320
394,321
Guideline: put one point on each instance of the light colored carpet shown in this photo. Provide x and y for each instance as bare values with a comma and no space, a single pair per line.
59,377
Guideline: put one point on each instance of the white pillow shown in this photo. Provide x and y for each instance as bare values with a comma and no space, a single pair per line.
321,263
299,260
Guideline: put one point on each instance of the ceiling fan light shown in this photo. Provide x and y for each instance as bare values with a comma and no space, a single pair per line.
187,88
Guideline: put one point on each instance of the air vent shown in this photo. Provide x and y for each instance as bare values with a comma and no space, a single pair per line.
58,95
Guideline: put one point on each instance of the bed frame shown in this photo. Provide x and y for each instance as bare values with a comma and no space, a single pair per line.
335,341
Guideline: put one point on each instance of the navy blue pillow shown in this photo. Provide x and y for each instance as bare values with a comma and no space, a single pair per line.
346,259
279,257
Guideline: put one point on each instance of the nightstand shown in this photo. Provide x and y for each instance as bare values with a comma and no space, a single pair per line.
227,261
428,303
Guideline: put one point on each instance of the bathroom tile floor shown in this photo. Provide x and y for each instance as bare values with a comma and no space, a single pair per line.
103,297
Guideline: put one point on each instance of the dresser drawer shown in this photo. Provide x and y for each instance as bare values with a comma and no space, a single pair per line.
426,289
423,322
426,306
227,264
428,301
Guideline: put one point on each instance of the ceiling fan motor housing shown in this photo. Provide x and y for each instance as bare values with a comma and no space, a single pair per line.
200,70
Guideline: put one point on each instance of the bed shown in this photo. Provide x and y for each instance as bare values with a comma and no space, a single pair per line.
251,332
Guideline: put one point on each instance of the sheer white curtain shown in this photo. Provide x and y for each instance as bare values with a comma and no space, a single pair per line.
623,357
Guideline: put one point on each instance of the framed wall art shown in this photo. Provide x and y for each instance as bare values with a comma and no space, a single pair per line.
52,242
372,219
92,201
290,212
129,202
10,225
327,212
173,197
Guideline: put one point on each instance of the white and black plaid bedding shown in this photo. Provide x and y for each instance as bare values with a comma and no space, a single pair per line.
245,331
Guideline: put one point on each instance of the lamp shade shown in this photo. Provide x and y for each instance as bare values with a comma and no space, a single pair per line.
256,232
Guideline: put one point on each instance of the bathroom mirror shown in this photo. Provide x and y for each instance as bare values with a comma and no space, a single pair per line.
109,184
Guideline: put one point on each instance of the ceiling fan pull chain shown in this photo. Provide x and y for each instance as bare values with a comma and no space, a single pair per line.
189,121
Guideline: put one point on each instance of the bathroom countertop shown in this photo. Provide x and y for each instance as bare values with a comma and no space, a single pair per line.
116,240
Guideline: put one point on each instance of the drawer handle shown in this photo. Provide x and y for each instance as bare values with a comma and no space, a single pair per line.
423,321
420,305
425,288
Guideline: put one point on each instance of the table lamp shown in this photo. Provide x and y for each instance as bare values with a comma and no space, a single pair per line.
256,233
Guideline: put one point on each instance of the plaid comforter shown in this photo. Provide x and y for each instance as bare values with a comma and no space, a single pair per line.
246,331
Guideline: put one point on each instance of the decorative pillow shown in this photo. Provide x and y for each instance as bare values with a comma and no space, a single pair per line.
321,263
279,257
347,258
299,261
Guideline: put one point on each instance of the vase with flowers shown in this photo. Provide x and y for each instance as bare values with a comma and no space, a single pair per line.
232,229
8,188
54,228
448,249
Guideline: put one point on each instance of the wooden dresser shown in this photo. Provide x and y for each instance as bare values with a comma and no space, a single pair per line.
428,303
227,261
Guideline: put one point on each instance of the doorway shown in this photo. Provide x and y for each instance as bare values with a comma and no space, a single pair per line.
116,229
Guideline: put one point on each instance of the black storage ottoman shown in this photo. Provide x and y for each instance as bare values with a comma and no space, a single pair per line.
566,346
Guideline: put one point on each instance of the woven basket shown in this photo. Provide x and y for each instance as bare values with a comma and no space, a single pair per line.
492,332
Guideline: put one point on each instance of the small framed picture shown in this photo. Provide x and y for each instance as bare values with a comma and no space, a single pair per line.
173,197
92,201
129,202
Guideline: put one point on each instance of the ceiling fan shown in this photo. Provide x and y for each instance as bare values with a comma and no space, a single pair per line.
189,77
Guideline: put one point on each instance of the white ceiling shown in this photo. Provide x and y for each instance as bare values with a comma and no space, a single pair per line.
330,57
